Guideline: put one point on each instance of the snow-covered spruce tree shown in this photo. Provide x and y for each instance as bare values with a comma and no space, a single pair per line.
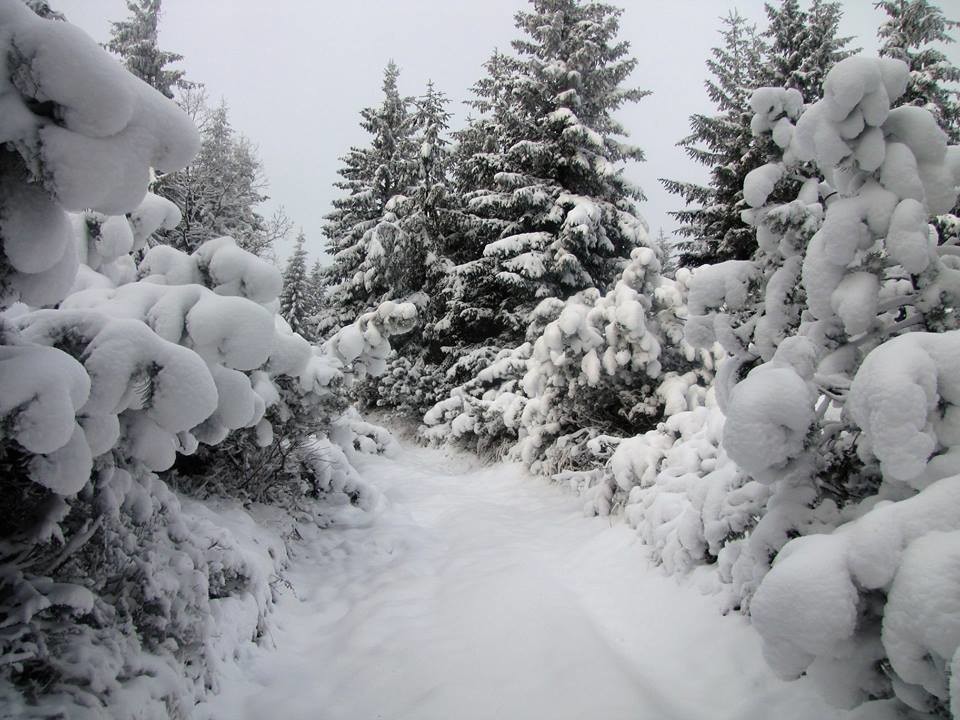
838,395
710,223
136,41
293,445
219,191
667,252
469,292
546,211
552,212
363,233
795,51
908,34
296,297
429,218
802,45
83,619
597,370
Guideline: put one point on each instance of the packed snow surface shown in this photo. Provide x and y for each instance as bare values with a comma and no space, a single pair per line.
484,593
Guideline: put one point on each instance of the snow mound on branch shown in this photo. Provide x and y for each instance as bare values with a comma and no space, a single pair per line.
42,391
152,214
905,398
37,241
111,127
234,271
364,345
232,331
808,605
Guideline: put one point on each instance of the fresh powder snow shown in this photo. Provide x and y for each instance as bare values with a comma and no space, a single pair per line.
482,592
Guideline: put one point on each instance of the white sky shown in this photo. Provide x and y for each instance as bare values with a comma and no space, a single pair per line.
296,73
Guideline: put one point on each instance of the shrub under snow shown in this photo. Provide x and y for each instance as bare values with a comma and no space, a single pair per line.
114,591
834,405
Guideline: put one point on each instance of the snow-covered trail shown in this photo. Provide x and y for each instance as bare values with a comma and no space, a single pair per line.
483,593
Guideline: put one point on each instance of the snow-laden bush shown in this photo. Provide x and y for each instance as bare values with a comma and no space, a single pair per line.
835,404
596,367
113,591
482,413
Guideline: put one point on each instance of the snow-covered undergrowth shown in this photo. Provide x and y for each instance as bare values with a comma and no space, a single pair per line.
115,591
817,468
595,365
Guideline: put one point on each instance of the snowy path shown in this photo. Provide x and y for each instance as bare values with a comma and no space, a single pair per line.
482,594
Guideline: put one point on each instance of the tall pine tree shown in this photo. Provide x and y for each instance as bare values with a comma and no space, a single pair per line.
295,300
363,233
908,34
220,190
550,212
802,46
796,51
136,41
710,223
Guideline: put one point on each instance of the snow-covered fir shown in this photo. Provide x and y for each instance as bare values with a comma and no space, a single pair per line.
711,473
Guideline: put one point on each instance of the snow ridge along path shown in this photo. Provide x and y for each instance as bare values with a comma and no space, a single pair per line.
481,593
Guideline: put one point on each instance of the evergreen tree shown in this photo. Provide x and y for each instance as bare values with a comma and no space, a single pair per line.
219,191
363,233
468,319
428,218
802,46
550,212
710,222
295,300
907,34
317,283
135,40
796,51
666,253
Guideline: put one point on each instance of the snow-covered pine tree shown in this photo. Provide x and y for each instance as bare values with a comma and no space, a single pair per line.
136,41
424,213
802,45
428,218
363,231
220,190
469,291
710,223
667,253
316,283
295,299
551,208
908,33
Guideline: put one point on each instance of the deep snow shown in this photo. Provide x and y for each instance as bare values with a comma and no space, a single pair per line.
484,593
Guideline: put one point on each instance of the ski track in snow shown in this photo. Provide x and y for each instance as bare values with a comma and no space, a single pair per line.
481,593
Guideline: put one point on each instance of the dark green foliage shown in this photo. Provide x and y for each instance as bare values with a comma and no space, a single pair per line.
296,297
363,232
711,226
796,50
544,145
909,31
135,40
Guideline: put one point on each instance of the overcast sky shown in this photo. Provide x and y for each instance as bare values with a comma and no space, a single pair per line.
296,73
